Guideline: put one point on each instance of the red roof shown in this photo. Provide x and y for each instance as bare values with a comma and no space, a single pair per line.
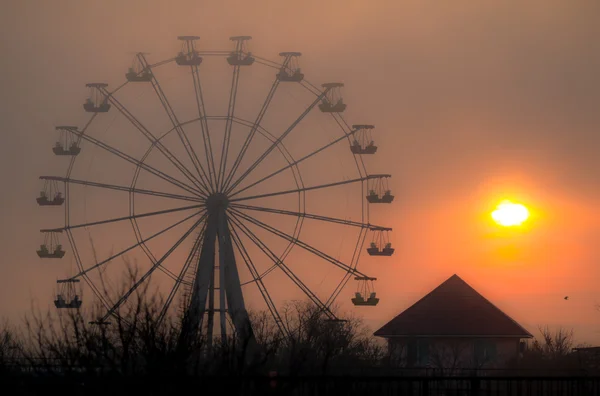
453,309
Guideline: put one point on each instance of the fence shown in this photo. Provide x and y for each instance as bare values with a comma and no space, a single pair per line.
319,386
33,376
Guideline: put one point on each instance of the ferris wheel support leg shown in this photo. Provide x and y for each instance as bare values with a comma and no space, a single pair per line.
197,308
229,286
188,262
222,298
211,311
231,283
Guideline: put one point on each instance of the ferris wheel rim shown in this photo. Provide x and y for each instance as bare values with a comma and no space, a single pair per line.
300,217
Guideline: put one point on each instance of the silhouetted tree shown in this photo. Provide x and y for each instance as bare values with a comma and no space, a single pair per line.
550,353
10,348
137,343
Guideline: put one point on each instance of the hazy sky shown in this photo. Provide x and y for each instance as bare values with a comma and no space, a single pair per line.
472,104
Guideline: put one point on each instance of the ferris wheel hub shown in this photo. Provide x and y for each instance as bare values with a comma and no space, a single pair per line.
217,202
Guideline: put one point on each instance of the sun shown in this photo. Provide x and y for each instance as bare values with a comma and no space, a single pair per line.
509,214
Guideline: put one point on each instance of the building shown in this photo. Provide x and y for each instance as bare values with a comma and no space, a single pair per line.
588,358
453,327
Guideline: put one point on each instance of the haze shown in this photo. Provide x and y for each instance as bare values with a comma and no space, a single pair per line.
472,104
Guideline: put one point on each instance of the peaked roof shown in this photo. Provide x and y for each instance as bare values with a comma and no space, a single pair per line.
453,309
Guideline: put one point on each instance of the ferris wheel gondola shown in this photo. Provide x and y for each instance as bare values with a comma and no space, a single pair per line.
51,247
241,56
138,72
365,294
333,101
222,200
50,190
380,244
290,69
67,297
66,143
379,190
188,56
96,102
363,142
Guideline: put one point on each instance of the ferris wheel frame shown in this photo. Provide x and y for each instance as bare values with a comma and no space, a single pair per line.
213,192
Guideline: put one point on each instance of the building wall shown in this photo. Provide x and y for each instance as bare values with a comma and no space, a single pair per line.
452,352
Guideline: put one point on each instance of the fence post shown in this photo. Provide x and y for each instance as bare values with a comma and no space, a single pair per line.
425,387
475,385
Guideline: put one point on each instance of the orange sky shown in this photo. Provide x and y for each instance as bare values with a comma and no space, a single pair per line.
472,104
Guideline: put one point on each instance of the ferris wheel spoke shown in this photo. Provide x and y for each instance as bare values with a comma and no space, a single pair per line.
254,128
310,87
267,62
295,163
306,215
321,186
192,190
204,125
152,139
144,277
204,178
274,145
182,273
213,53
114,91
338,117
83,272
228,125
339,288
279,263
298,242
269,136
103,299
265,133
116,219
121,188
161,63
355,256
257,279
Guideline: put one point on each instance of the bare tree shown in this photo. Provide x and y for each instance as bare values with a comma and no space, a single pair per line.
549,353
10,348
140,342
318,345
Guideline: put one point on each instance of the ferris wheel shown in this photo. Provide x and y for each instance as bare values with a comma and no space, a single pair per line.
209,179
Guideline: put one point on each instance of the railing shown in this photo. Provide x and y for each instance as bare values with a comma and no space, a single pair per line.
367,381
322,385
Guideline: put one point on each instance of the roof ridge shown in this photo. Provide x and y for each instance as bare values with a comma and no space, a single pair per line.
417,302
495,307
415,307
433,290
